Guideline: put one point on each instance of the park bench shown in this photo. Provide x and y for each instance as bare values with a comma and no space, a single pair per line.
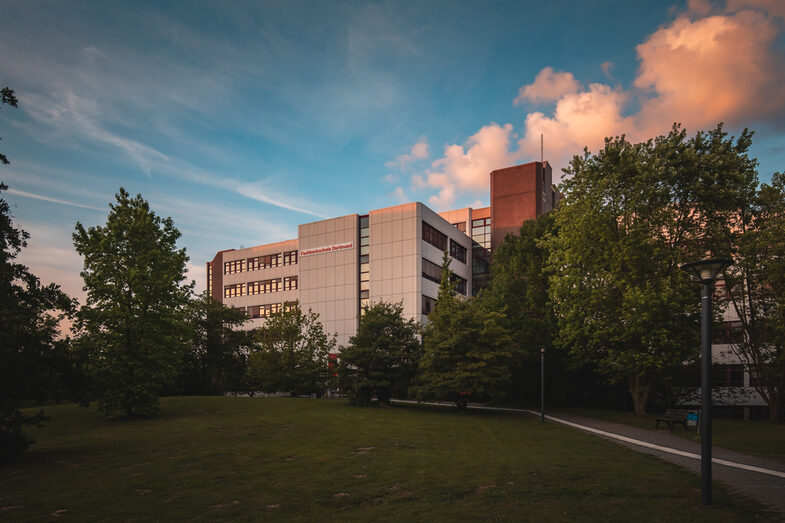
672,418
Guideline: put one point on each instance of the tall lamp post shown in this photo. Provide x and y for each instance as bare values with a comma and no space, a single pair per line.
706,272
542,384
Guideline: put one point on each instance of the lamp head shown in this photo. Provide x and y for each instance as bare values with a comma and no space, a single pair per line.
706,271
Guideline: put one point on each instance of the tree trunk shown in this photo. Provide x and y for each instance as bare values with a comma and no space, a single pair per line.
777,408
639,393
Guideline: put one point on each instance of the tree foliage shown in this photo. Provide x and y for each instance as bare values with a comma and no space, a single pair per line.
632,214
755,291
382,356
291,354
519,290
7,97
468,351
215,359
132,325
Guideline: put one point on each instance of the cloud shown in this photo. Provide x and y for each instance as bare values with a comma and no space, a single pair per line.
53,200
548,86
419,151
607,67
466,167
721,67
708,65
400,196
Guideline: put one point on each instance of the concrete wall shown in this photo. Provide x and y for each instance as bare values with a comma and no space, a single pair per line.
329,282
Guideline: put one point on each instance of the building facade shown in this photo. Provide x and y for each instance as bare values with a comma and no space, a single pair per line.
336,266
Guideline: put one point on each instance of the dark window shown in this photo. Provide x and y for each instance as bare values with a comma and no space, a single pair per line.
481,232
728,376
457,251
428,304
434,237
461,226
431,271
728,332
458,283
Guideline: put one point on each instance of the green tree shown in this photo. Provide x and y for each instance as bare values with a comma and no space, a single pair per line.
632,214
468,351
7,97
215,360
755,292
291,354
35,361
381,359
519,290
133,323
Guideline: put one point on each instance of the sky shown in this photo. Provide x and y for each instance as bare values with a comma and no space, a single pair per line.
241,120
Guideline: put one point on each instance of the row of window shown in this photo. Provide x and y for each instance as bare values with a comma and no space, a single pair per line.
261,262
365,275
263,311
288,283
433,272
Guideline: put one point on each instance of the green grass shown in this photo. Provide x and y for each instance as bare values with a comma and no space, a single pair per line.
315,460
760,438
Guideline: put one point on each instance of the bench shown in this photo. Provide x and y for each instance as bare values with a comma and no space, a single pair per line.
672,418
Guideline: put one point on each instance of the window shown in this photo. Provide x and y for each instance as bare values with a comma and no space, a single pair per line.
434,237
461,226
289,283
231,291
728,376
269,309
458,283
431,271
364,254
209,279
264,286
290,258
481,232
264,262
457,251
428,304
235,266
728,332
289,306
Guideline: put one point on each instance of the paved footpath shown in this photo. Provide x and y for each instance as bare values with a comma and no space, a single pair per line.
757,478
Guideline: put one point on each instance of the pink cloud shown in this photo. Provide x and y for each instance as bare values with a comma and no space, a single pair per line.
419,151
466,167
548,86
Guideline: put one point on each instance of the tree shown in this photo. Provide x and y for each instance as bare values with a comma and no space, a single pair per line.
291,355
632,213
35,360
382,357
468,351
755,292
133,323
216,356
519,290
7,97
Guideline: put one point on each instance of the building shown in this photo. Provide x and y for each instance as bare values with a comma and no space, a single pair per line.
336,266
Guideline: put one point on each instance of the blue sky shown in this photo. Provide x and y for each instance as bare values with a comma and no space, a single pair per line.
243,120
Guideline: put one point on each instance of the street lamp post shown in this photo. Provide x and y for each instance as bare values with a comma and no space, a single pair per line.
706,272
542,384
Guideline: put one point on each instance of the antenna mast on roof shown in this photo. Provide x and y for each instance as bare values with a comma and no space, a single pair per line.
541,149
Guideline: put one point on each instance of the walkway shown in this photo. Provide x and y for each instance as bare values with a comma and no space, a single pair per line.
757,478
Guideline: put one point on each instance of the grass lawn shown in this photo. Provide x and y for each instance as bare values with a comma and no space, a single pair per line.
761,438
212,458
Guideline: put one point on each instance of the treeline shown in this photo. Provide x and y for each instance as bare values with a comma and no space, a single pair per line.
597,285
